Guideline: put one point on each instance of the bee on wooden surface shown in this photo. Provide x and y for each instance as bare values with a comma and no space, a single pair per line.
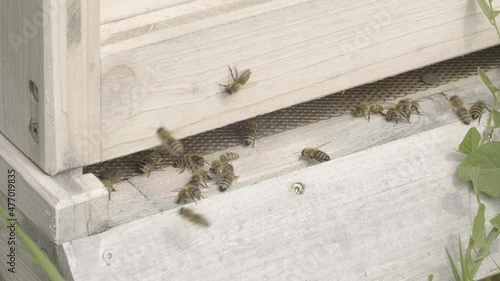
193,217
219,168
150,163
171,144
199,177
396,113
248,131
409,105
109,186
310,153
238,81
229,156
458,107
192,160
477,109
365,108
226,180
189,191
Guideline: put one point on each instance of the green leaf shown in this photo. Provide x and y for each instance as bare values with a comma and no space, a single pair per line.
486,156
470,263
487,81
489,182
453,268
463,265
478,228
496,13
430,277
496,118
486,9
483,253
470,141
496,221
474,176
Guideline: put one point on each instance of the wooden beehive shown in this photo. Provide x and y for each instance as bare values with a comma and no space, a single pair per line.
84,82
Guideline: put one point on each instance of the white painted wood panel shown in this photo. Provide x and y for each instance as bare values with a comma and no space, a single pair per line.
339,136
159,69
378,214
69,206
54,43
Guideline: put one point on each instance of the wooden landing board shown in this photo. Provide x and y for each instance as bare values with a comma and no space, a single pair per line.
277,155
386,213
62,208
163,67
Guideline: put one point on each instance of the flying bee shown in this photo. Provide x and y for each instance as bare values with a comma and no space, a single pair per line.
409,105
199,177
248,130
310,153
365,108
189,191
150,163
171,144
193,217
238,81
458,107
477,109
228,156
396,113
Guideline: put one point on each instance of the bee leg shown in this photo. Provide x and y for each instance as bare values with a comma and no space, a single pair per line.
231,71
253,143
417,111
479,119
369,116
148,173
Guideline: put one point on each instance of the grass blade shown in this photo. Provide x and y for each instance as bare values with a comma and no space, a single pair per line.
453,268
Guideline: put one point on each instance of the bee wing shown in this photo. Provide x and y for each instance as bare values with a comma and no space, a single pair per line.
248,85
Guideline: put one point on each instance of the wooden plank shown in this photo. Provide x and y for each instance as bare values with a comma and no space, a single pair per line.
56,44
160,69
113,10
25,268
339,136
69,206
22,60
378,214
72,106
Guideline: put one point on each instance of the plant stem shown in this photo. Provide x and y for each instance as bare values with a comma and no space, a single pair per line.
494,19
489,129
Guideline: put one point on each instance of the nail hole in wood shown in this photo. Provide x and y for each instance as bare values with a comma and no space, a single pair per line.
34,91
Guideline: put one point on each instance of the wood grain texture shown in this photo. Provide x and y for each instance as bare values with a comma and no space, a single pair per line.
21,60
339,136
163,67
378,214
56,44
72,101
68,207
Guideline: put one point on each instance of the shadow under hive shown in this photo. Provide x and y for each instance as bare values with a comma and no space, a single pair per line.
320,109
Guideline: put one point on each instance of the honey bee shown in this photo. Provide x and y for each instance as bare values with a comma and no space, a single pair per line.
219,168
476,110
199,177
396,113
238,81
226,180
365,108
193,217
458,107
172,145
189,191
193,160
109,186
228,156
409,105
249,129
310,153
150,163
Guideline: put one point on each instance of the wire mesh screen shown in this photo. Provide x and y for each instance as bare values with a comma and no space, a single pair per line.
327,107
